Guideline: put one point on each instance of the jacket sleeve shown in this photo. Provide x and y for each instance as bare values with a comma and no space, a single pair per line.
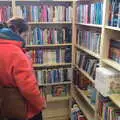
26,82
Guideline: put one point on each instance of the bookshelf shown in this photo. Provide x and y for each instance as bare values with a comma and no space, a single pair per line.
54,99
88,51
51,23
59,83
108,30
49,45
36,44
51,65
116,99
84,94
86,74
105,27
88,112
90,25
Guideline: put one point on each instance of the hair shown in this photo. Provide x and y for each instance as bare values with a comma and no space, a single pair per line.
17,24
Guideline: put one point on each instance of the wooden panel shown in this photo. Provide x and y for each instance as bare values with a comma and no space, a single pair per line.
57,109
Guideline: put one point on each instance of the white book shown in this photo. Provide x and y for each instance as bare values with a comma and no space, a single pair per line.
19,11
70,74
105,81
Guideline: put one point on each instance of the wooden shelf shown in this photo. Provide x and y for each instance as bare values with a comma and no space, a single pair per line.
83,92
59,83
86,74
32,23
5,2
116,99
85,109
48,45
100,118
112,63
88,51
55,99
112,28
90,25
52,65
48,0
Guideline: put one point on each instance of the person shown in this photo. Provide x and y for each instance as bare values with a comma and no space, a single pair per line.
16,69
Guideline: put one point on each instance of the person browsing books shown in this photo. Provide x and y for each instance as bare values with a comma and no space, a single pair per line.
16,70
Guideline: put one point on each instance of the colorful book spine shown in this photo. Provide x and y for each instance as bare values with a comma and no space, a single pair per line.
54,75
76,113
60,90
43,36
5,13
87,63
114,50
114,16
82,13
94,17
45,13
89,40
107,109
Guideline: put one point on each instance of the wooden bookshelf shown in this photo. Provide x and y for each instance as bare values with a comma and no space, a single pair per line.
86,74
83,93
58,83
49,45
51,65
112,63
112,28
106,33
116,99
89,25
48,1
88,51
54,110
85,109
56,99
46,23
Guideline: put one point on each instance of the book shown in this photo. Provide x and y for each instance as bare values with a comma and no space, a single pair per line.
107,81
114,16
43,36
107,109
45,13
89,40
59,90
114,50
5,13
87,63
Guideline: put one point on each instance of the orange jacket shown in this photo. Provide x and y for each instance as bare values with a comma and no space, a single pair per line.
16,71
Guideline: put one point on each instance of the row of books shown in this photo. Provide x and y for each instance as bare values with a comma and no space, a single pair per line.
114,50
45,13
87,63
54,75
114,10
80,80
51,56
84,84
89,40
107,81
96,14
90,13
107,110
55,91
5,13
42,36
60,90
76,113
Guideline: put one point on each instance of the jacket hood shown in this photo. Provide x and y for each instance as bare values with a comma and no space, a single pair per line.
8,35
